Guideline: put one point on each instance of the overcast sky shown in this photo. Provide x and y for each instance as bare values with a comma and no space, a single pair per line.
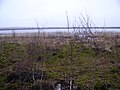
52,12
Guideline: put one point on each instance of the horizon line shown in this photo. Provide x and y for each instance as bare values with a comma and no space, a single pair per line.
53,27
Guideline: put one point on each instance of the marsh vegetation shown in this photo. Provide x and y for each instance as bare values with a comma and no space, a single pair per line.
42,61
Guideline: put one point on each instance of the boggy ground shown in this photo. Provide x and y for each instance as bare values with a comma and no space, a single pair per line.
40,63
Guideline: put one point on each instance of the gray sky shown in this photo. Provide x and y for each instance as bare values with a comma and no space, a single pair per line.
52,12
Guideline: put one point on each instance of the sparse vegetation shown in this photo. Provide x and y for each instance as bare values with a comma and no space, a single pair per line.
39,62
